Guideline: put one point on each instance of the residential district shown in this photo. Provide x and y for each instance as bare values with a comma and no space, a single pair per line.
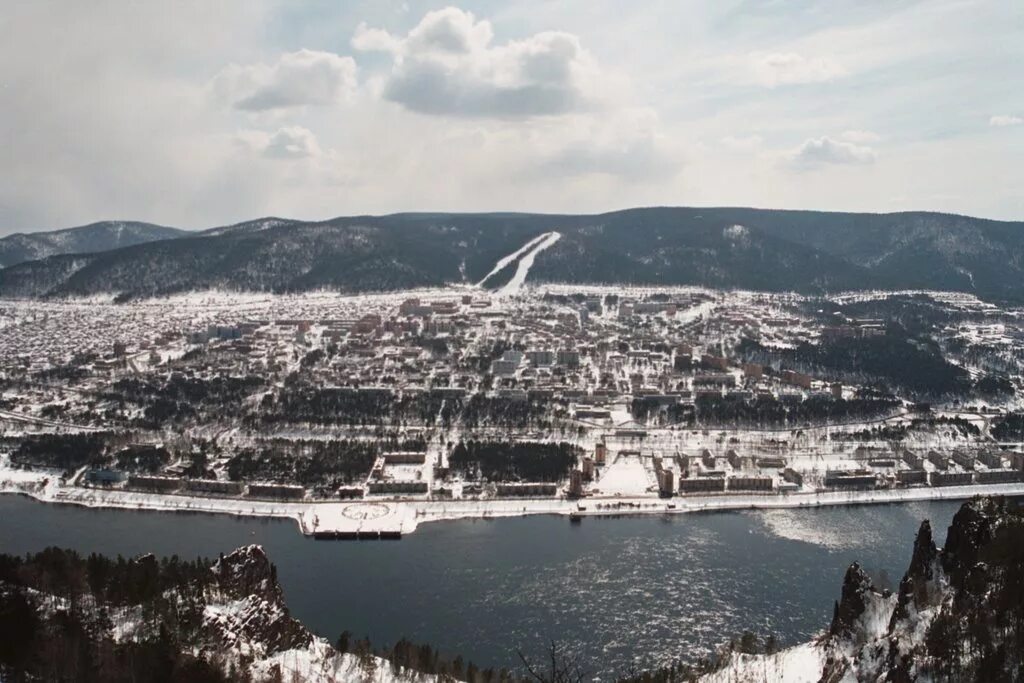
341,410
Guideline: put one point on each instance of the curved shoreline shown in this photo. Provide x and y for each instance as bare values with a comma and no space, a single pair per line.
393,518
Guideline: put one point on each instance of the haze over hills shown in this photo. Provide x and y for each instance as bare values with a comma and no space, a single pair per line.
764,249
102,236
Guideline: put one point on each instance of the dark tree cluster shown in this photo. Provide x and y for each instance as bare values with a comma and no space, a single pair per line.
769,412
914,365
198,467
508,461
142,458
70,373
66,452
956,426
73,644
319,464
918,314
161,411
1009,428
497,411
117,581
345,406
437,346
994,386
645,409
181,398
371,407
406,658
312,358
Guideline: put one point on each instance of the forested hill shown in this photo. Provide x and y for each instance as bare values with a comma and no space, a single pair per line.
21,247
762,249
65,617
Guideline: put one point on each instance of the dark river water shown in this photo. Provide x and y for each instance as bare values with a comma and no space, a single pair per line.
634,590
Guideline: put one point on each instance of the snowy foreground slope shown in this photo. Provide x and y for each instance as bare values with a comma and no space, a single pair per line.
173,620
957,615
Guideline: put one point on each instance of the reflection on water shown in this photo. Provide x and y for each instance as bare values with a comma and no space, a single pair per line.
860,526
641,590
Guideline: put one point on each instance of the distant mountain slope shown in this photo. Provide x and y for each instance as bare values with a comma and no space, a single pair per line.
256,225
721,247
910,249
690,247
102,236
350,254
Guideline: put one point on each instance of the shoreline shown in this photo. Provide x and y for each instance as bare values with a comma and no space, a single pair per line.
390,519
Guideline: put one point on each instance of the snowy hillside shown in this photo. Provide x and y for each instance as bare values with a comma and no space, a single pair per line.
103,236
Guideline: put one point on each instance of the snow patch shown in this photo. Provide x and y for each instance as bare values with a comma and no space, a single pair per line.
735,232
800,664
505,260
523,269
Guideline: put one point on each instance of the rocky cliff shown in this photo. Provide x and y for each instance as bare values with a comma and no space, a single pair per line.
958,614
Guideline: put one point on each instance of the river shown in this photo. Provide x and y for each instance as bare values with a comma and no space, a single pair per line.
627,591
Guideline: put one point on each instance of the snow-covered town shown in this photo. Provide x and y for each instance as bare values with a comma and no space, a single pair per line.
384,341
364,416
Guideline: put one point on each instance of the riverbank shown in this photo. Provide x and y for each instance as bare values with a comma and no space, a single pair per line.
643,589
393,518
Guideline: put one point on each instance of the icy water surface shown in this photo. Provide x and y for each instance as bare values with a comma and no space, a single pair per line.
632,590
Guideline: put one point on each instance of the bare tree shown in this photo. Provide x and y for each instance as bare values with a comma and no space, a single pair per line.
561,666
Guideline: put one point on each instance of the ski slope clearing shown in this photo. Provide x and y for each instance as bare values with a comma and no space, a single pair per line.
525,263
505,260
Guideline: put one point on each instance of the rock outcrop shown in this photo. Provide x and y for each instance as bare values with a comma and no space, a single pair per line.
958,614
246,607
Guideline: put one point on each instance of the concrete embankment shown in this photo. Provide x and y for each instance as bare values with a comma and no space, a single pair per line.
388,519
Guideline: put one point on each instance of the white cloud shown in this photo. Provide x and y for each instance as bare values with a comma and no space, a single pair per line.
742,143
83,143
128,90
450,31
305,77
292,142
860,136
1001,120
627,145
447,65
368,39
789,68
824,151
287,143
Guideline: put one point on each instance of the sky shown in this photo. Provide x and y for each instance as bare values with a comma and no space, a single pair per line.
196,114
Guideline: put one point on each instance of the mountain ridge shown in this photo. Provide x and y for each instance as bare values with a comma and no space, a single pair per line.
727,247
20,247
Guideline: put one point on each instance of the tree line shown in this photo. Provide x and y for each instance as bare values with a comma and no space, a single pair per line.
514,461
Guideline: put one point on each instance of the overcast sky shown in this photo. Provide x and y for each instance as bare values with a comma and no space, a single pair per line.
197,114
